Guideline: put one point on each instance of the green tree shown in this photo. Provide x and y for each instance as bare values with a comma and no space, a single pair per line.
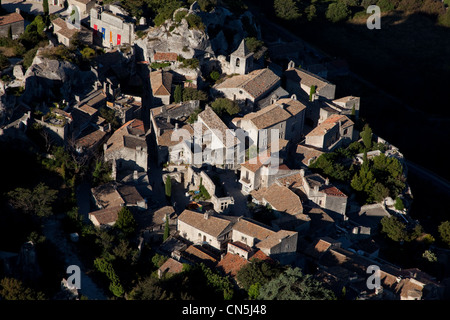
194,94
394,228
366,136
286,9
214,75
253,44
379,192
399,204
38,201
4,62
178,94
292,284
45,7
126,221
337,11
13,289
310,12
444,232
168,187
257,271
166,228
224,105
363,182
107,268
312,91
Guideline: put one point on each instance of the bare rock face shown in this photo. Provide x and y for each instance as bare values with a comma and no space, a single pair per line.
53,79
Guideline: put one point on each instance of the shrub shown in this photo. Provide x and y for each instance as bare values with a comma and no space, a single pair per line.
337,11
195,22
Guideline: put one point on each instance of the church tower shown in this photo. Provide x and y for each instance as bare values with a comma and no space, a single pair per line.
241,60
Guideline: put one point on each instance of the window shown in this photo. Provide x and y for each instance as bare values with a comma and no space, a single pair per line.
345,131
244,239
238,62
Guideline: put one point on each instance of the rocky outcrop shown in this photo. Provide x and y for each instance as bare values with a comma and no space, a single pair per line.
48,79
175,37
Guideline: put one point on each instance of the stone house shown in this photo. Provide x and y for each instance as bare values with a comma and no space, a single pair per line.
171,266
66,31
111,28
58,124
202,228
220,200
260,172
348,104
340,268
300,82
243,234
332,133
305,155
219,145
320,191
165,121
161,83
285,115
13,21
127,148
115,194
126,108
248,88
105,217
272,243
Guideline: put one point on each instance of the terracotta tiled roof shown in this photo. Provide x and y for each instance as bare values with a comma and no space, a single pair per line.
231,264
280,198
275,239
268,116
165,56
329,123
64,28
90,139
256,163
260,256
292,106
307,153
213,226
197,253
256,83
106,216
333,191
133,129
292,181
10,18
161,83
252,228
213,122
129,194
165,139
171,266
107,195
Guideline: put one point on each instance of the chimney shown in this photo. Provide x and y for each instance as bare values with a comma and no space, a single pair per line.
327,181
316,188
135,175
302,172
18,10
176,126
206,215
168,119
